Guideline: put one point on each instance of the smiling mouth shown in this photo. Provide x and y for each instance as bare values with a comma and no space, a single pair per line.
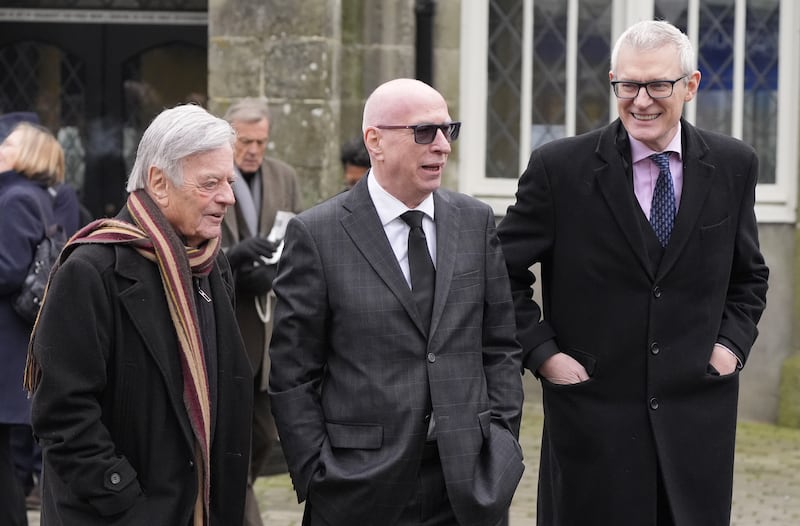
643,117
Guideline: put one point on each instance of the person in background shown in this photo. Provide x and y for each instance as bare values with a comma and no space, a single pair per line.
140,382
30,159
264,187
653,284
396,378
25,452
355,161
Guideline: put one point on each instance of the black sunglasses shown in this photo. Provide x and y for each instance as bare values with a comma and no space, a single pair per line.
426,133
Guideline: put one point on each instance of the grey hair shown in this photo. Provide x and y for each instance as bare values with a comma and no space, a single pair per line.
249,109
649,35
175,134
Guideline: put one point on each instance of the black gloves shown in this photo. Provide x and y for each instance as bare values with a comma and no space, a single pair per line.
248,251
255,280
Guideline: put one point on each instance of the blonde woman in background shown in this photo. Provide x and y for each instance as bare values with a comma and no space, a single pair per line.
31,160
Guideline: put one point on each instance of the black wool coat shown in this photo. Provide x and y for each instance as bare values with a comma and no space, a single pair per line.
109,411
643,325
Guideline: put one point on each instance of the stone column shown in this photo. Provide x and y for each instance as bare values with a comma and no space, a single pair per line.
316,61
286,51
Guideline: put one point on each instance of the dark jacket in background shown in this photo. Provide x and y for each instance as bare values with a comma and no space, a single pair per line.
25,207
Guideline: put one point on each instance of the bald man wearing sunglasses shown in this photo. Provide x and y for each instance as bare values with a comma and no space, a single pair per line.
395,380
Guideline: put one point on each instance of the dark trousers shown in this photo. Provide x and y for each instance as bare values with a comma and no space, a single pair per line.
12,498
27,456
429,505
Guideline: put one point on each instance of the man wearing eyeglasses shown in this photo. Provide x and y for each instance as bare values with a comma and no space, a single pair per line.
652,284
395,380
263,187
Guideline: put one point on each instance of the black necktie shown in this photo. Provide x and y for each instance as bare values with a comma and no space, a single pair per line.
420,265
662,209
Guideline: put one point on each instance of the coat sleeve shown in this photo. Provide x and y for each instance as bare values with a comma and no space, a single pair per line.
71,346
527,234
747,287
297,353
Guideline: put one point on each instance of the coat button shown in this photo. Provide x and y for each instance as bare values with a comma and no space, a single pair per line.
657,291
191,465
115,478
431,357
654,349
654,403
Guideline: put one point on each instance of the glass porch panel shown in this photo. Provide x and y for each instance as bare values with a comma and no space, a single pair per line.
151,82
504,71
549,85
594,62
760,112
715,62
44,79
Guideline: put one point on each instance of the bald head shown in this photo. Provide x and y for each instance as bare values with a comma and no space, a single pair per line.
406,165
393,101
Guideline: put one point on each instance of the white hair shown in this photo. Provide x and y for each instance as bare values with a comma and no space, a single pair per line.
175,134
649,35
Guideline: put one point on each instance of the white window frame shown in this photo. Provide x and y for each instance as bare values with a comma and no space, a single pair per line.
775,202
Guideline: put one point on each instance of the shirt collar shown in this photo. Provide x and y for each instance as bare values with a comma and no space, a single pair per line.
639,151
388,206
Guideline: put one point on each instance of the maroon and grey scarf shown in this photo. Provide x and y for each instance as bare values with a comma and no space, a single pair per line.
155,239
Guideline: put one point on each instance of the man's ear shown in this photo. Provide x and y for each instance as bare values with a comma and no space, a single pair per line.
157,186
372,141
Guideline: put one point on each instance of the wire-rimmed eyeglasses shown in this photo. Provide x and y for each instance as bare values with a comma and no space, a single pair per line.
656,89
426,133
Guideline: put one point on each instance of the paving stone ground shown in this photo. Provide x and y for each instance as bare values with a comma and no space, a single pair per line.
766,477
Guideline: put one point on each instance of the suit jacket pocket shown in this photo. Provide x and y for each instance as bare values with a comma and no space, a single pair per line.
470,278
485,421
354,436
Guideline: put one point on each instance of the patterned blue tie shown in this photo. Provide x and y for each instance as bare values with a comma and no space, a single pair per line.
662,209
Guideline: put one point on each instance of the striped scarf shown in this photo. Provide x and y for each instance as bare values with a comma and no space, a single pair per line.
155,239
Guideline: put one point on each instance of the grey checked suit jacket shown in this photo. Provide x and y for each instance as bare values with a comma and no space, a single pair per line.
353,374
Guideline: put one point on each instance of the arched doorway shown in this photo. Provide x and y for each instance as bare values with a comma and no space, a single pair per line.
97,86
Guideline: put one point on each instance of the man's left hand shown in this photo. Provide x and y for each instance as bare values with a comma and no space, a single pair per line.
255,280
723,360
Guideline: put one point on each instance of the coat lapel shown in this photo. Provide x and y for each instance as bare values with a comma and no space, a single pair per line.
145,304
697,180
447,222
362,224
613,175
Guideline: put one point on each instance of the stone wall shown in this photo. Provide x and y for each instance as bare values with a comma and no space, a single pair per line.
316,61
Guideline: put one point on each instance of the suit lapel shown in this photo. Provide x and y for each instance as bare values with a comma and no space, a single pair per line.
362,224
447,222
613,176
697,180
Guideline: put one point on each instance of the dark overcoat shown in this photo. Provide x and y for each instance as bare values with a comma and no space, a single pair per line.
109,411
354,372
643,328
279,191
25,208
